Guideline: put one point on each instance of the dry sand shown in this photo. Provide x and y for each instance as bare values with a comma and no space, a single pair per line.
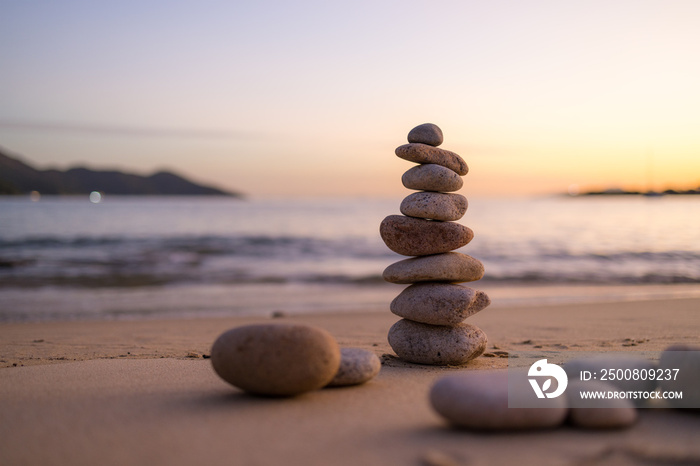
141,393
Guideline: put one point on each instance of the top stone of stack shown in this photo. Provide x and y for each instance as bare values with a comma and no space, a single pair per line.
427,133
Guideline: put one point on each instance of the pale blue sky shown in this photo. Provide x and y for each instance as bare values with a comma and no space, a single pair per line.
312,97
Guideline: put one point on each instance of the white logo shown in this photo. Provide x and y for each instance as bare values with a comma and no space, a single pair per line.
542,369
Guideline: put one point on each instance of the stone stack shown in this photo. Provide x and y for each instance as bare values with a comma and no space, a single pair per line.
434,306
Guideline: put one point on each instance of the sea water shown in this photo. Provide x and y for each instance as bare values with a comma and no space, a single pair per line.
136,257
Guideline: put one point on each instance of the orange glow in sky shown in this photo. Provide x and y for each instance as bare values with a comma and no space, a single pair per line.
309,98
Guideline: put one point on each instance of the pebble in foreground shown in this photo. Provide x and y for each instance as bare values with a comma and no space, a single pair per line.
598,413
276,359
357,366
686,359
479,400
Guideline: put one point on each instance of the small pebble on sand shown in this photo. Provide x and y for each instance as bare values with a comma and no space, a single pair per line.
357,366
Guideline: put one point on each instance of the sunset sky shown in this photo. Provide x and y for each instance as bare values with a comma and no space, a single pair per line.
311,98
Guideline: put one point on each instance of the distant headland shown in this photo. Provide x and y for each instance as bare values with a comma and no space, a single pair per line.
621,192
18,177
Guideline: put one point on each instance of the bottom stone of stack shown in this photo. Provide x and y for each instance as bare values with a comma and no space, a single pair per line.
435,344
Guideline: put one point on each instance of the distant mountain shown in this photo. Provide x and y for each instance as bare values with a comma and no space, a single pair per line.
622,192
17,177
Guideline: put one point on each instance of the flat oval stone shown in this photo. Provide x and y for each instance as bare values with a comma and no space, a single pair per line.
436,345
479,400
596,365
607,413
682,364
357,366
438,303
427,133
451,267
434,206
432,177
418,237
423,153
276,359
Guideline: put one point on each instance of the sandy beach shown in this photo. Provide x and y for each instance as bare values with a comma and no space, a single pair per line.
143,392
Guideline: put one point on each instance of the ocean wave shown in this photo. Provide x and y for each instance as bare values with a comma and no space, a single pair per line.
516,254
244,245
112,261
360,247
159,280
590,278
624,267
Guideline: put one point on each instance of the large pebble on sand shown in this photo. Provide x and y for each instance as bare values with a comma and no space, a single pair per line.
427,133
357,366
276,359
608,413
479,400
436,345
435,206
423,153
681,373
450,267
431,177
418,237
439,303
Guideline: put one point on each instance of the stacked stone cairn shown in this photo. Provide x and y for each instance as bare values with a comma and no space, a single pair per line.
434,306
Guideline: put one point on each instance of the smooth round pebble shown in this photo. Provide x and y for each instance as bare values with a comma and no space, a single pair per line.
438,303
418,237
436,345
595,365
451,267
276,359
435,206
609,413
431,177
423,153
479,400
686,379
427,133
357,366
